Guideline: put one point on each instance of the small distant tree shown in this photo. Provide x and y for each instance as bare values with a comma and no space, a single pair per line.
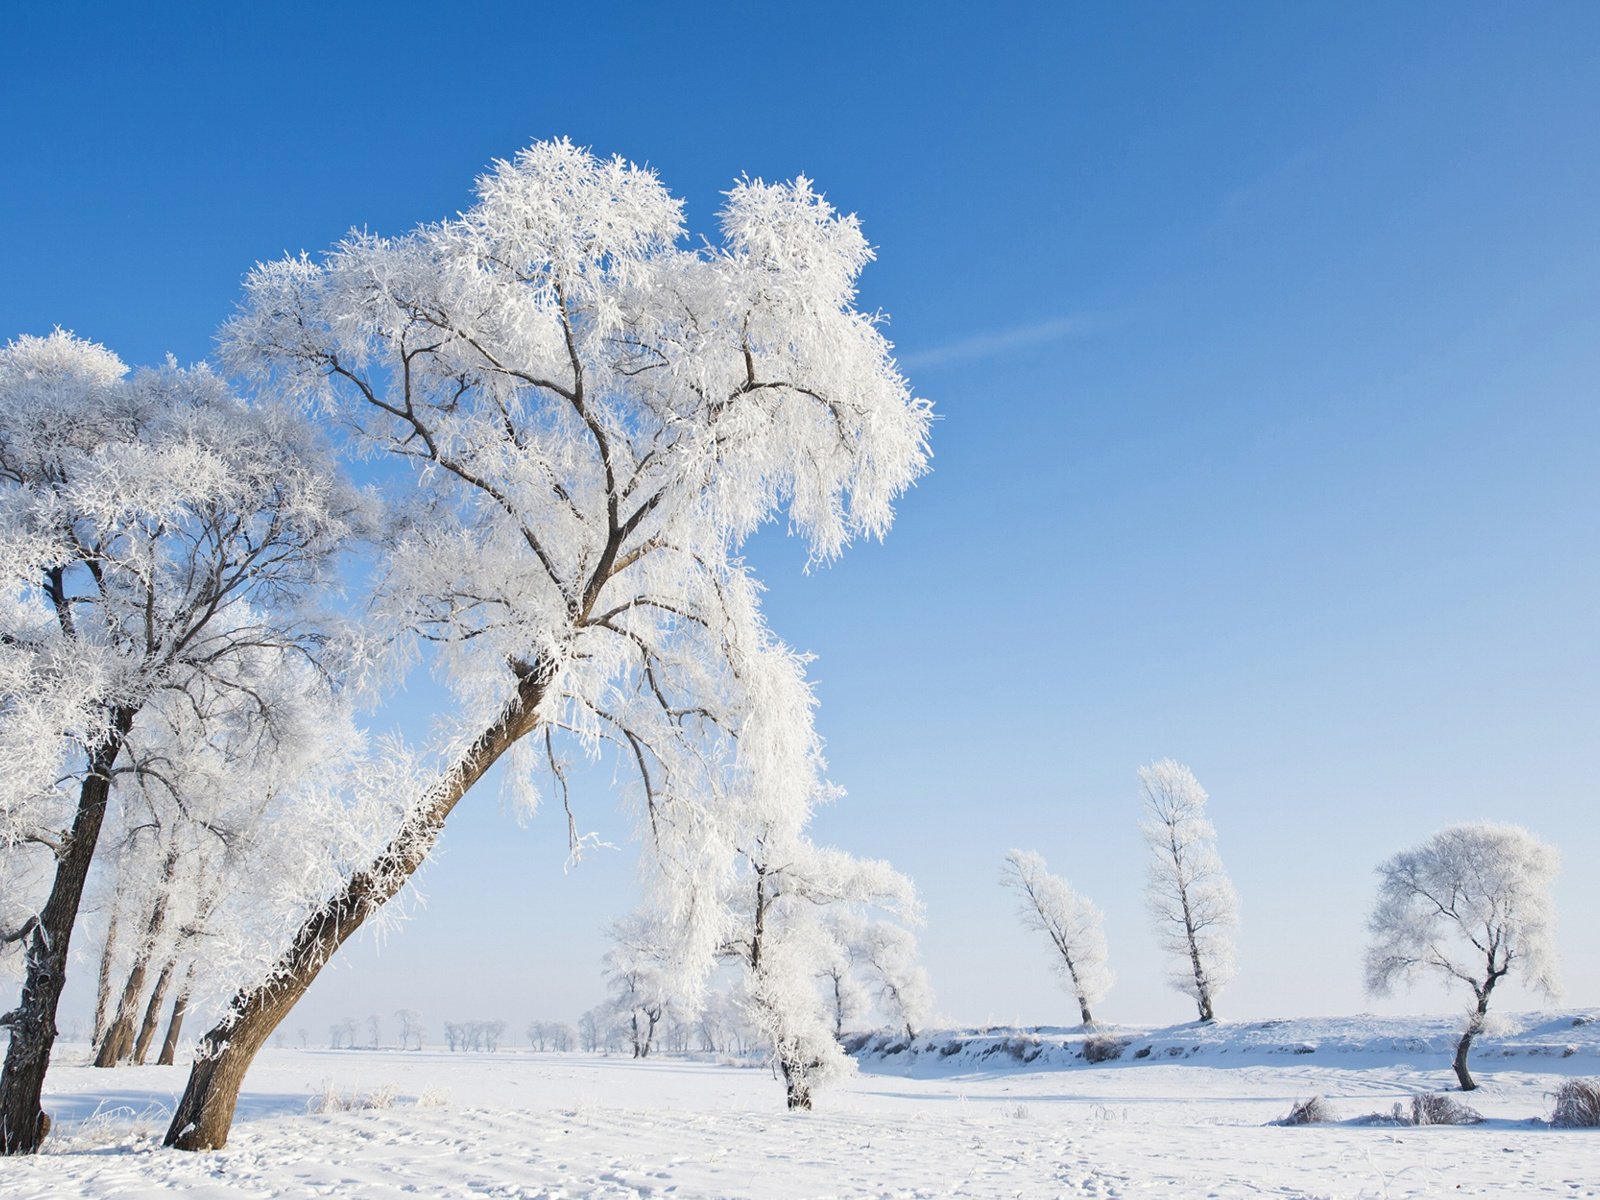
562,1037
374,1028
589,1031
335,1035
1468,906
636,974
410,1027
1191,899
1074,925
841,982
904,991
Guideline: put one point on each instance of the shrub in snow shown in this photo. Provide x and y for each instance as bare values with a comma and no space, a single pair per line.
1022,1049
1435,1108
1577,1105
1315,1111
331,1100
1103,1048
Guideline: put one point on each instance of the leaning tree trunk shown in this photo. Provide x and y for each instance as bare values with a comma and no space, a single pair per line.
152,1011
117,1045
205,1113
23,1123
180,1009
1202,986
102,995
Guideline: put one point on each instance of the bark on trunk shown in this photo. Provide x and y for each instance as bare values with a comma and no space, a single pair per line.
23,1124
1474,1027
204,1115
152,1011
1202,986
1072,974
180,1009
102,996
1462,1074
117,1045
797,1091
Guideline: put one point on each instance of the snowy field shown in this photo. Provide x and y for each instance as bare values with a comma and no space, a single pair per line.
1007,1113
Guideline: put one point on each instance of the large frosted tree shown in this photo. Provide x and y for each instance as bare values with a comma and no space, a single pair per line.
1073,924
594,418
157,537
1191,899
1469,906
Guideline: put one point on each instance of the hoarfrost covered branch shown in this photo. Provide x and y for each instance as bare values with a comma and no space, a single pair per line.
597,419
1469,905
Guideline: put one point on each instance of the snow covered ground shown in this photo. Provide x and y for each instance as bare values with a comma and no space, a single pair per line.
1189,1119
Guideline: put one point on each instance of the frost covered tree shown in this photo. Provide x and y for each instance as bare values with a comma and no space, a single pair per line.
839,973
636,971
158,539
799,912
217,837
904,990
594,419
1191,899
1469,906
589,1031
410,1027
1073,924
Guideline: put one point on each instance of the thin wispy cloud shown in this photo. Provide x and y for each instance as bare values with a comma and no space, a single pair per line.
987,345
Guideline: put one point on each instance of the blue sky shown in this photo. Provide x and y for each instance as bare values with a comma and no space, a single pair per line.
1264,343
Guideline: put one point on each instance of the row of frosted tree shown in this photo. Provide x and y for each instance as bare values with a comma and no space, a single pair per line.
1468,907
571,420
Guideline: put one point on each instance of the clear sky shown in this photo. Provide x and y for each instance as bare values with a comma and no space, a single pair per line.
1264,340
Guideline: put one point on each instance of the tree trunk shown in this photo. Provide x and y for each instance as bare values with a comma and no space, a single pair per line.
102,996
1202,987
797,1090
205,1113
180,1009
1474,1027
117,1045
1083,1011
1462,1074
152,1011
23,1124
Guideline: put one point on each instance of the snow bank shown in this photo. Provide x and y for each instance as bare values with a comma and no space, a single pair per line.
1567,1043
